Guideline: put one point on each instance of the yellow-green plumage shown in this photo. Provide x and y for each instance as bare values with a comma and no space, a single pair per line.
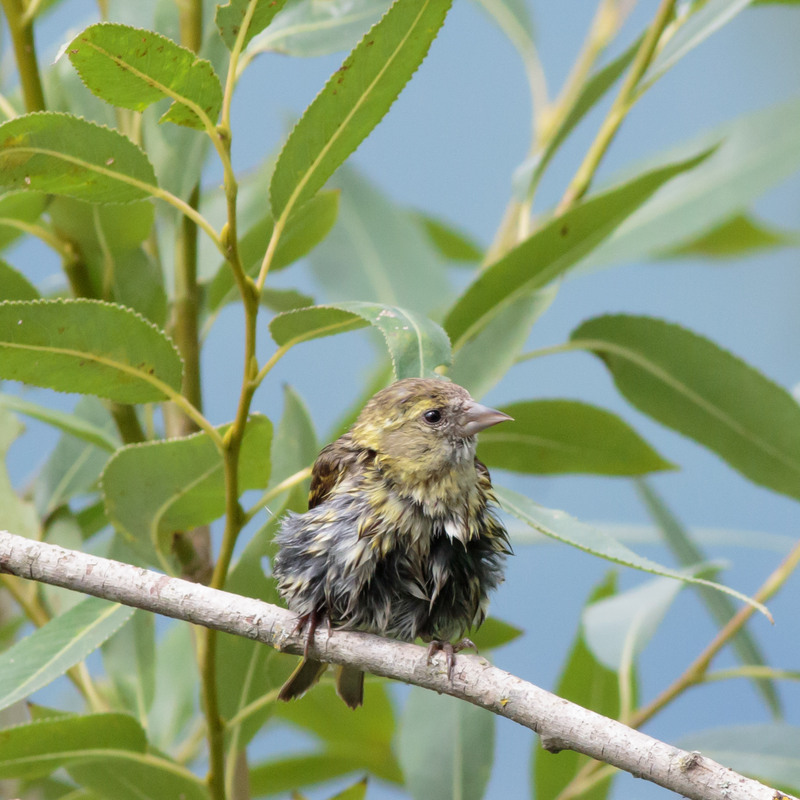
401,537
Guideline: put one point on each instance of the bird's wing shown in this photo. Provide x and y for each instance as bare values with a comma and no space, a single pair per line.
332,464
483,473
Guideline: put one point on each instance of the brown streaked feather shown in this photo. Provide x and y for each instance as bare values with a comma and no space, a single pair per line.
332,464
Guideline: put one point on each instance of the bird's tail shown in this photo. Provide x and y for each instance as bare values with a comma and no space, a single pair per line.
305,675
349,682
350,686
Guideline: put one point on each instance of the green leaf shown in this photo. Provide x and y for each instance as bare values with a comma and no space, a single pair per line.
102,229
705,19
585,681
753,153
416,344
133,68
16,514
14,285
149,777
39,748
355,99
75,425
304,230
138,283
295,443
280,300
244,675
702,391
91,519
178,155
376,253
778,544
129,658
452,244
247,671
558,436
18,207
89,347
55,647
549,252
494,633
368,743
64,155
156,488
288,774
480,363
109,240
308,28
233,15
358,791
739,236
769,752
618,628
719,606
74,465
597,541
174,707
527,176
445,747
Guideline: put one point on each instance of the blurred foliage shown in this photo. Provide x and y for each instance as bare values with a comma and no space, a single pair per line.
149,258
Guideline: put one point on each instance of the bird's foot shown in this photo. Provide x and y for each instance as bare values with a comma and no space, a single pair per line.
310,622
449,649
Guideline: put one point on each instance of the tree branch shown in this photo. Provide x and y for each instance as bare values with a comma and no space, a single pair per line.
562,725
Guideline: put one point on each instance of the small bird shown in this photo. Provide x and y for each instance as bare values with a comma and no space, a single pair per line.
401,537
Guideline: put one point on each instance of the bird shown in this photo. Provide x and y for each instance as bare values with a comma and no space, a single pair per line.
401,537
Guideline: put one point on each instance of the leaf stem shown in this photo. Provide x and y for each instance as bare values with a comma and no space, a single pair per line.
275,358
697,670
277,230
603,28
184,326
21,31
232,442
64,249
757,671
622,104
286,483
31,11
128,425
252,708
516,223
6,108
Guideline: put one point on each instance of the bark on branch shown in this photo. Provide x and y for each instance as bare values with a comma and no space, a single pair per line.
560,724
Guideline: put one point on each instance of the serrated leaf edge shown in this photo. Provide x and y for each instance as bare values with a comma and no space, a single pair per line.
65,301
151,189
200,113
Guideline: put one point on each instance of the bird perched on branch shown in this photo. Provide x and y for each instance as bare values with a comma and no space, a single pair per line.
401,537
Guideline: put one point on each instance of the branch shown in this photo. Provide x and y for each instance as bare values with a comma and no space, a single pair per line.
562,725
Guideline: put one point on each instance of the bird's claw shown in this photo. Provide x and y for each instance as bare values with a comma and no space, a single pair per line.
449,649
311,621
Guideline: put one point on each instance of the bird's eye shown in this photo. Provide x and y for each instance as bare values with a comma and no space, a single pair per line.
433,416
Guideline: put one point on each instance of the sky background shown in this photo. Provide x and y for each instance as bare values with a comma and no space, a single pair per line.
449,146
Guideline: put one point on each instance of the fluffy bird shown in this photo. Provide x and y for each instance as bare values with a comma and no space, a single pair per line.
401,537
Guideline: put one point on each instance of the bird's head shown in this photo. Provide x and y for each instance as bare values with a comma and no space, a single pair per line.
423,424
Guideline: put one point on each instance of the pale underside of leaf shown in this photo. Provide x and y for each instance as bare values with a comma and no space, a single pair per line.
592,540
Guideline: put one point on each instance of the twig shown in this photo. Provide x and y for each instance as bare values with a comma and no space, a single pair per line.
622,104
561,724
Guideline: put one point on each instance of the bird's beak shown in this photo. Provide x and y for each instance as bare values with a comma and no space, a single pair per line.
475,418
